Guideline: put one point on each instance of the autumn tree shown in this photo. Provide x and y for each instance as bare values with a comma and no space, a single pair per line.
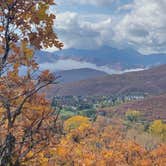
27,122
132,115
158,128
101,143
75,122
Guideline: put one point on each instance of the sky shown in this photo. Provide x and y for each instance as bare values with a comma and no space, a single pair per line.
89,24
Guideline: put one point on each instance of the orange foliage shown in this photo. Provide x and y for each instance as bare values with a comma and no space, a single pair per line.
27,122
95,145
28,125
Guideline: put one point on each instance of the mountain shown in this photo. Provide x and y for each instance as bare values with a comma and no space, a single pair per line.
151,108
68,76
151,81
102,56
105,56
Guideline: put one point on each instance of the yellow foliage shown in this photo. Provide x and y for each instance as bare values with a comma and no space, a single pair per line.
30,154
93,144
76,122
1,111
132,115
158,128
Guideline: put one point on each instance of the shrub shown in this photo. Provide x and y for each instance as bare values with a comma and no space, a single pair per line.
132,115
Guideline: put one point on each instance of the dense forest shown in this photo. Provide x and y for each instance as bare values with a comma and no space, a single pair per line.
68,130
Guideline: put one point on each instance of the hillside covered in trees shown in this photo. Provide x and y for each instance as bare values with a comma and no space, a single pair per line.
151,81
105,121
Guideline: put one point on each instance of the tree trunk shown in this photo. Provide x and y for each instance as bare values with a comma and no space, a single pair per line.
7,151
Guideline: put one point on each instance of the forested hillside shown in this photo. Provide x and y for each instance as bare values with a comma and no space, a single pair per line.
151,108
69,76
151,81
114,120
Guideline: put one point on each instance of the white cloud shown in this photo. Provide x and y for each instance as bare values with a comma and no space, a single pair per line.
95,2
142,27
80,31
69,64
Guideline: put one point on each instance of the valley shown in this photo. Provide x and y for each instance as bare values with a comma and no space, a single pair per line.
82,83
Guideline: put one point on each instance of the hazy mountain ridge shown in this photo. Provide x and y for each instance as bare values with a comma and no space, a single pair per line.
68,76
152,81
105,56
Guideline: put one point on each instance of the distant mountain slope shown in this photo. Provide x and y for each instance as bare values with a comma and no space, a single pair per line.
104,56
74,75
152,81
152,108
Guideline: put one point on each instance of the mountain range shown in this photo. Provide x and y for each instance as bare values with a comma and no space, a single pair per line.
105,71
113,58
150,82
69,76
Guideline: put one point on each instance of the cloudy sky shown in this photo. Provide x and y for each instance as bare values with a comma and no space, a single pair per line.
88,24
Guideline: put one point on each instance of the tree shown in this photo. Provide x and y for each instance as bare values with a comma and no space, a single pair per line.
132,115
158,128
27,122
75,122
100,143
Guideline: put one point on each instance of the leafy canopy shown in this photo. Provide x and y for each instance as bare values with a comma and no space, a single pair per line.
27,122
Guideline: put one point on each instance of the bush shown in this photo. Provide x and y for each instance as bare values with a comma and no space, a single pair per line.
75,122
132,115
158,128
